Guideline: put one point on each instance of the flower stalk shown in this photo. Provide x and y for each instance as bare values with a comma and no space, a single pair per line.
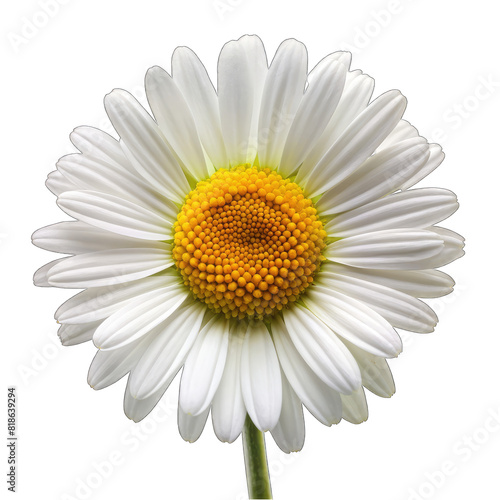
257,471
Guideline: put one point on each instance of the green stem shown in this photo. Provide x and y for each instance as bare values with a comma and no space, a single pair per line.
254,451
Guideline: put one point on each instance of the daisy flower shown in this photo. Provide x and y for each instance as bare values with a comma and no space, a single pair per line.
261,239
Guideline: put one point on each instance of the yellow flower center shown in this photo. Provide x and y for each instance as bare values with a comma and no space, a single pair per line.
247,242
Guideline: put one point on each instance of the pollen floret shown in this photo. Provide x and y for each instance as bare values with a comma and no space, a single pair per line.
247,241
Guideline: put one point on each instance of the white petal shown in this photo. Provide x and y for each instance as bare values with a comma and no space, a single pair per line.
57,183
290,431
96,175
147,144
424,283
399,309
354,321
313,114
357,143
340,56
41,276
375,371
77,334
137,409
283,91
190,426
435,159
92,174
257,62
139,317
260,377
204,367
95,143
452,249
228,408
78,237
236,100
354,407
378,176
100,302
357,92
168,350
448,236
192,78
110,267
115,214
389,249
322,401
175,120
322,350
402,131
110,366
416,208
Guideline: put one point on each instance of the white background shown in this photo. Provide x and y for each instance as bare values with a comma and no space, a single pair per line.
439,54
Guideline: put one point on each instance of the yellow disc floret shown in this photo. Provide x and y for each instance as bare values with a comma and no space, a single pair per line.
247,242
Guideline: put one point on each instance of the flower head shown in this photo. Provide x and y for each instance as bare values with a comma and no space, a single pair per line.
247,242
263,239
